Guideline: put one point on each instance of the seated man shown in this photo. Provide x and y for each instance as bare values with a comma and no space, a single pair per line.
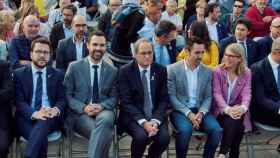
19,50
265,43
144,99
190,93
91,95
40,99
265,106
6,97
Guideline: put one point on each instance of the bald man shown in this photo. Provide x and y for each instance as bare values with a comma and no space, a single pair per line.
266,42
73,48
19,50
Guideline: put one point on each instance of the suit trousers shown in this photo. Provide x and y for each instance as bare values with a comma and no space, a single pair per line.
36,132
140,140
99,131
232,135
184,130
5,142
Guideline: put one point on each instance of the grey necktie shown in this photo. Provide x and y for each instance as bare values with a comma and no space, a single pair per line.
147,100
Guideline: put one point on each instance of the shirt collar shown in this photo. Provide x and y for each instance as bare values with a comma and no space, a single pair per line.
35,70
141,68
207,23
187,66
64,26
244,41
91,63
74,41
149,22
272,62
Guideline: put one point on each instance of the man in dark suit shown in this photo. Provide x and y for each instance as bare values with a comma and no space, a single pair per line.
217,30
144,100
73,48
242,30
266,42
6,96
63,29
40,99
265,106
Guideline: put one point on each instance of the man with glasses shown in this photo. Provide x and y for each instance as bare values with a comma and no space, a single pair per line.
190,93
143,102
230,19
266,42
73,48
40,99
261,17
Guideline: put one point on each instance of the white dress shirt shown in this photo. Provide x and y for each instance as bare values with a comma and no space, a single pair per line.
213,32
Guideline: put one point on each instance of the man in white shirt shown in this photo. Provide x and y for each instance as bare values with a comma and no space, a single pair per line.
190,93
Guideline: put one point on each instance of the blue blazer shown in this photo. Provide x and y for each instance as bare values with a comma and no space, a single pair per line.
66,53
222,31
252,49
24,90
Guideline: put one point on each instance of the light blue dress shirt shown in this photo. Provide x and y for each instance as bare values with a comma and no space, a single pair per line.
67,31
79,48
147,31
161,54
45,99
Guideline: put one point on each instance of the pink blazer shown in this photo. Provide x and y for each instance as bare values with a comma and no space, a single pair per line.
241,93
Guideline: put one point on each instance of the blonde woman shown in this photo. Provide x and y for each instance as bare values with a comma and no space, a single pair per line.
232,96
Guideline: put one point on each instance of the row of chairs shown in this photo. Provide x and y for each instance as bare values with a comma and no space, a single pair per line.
62,143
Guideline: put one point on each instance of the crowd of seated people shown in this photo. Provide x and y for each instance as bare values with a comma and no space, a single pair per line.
212,66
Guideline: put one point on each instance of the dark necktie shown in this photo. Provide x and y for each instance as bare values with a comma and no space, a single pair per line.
95,96
278,80
38,91
147,99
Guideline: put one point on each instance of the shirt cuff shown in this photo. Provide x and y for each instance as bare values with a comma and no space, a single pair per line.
141,121
187,113
244,108
226,109
156,121
58,111
32,116
279,111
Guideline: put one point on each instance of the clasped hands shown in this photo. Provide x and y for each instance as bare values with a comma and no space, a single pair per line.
235,111
45,112
195,119
151,128
93,109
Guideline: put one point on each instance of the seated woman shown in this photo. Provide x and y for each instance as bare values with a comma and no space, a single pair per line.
211,55
232,95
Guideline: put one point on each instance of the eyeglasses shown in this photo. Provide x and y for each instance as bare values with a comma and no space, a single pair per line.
146,53
238,6
232,56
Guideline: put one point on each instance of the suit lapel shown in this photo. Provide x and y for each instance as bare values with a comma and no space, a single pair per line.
49,80
85,51
183,74
239,83
153,83
86,72
270,77
137,78
200,77
72,49
28,80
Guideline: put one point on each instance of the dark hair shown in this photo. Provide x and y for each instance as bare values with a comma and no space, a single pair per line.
140,41
244,21
210,8
95,33
164,27
200,30
241,1
71,7
191,41
42,40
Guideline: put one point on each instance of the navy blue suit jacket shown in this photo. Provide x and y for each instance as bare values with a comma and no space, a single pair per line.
222,31
252,49
132,94
66,53
265,44
265,95
24,90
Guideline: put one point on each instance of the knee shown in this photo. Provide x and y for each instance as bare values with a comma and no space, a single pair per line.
105,118
185,131
140,138
164,140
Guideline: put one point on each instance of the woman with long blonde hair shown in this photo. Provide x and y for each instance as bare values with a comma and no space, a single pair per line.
232,96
